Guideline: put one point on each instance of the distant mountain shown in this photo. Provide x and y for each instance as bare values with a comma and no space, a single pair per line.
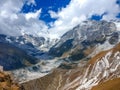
33,45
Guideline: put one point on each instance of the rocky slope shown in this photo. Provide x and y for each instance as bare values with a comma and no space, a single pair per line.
113,84
6,82
85,38
102,69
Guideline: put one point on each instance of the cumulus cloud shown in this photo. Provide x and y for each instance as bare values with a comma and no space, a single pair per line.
8,14
53,14
12,22
33,14
80,10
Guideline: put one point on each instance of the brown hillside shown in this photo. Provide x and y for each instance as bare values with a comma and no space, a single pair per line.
6,82
103,53
108,85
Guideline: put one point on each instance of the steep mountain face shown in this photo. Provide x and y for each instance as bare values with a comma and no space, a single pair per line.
82,40
102,70
12,57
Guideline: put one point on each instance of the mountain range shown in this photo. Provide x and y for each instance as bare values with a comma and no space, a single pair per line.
86,57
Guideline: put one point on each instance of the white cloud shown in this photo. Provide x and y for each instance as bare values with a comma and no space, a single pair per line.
33,14
53,14
80,10
13,23
8,14
10,8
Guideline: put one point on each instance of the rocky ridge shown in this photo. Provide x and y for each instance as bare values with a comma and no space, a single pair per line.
86,38
7,83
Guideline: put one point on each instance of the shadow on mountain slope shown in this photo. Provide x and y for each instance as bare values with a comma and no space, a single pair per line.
12,57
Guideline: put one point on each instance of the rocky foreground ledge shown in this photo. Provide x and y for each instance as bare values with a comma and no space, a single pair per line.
6,82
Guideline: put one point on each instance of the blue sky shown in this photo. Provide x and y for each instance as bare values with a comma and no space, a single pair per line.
54,5
45,5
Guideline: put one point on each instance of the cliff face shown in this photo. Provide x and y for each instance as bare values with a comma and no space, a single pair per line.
101,71
6,83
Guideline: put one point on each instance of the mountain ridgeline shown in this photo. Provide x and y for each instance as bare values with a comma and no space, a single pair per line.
84,37
86,57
